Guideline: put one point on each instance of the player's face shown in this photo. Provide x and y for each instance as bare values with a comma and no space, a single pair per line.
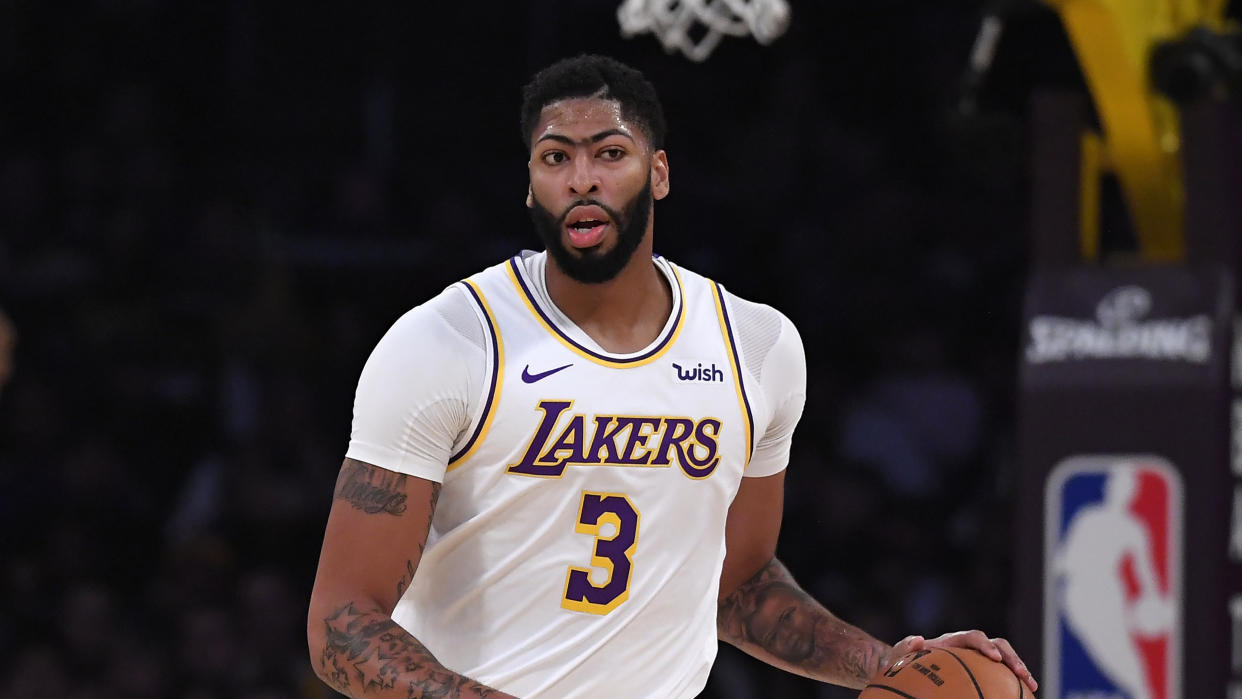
786,629
592,183
603,261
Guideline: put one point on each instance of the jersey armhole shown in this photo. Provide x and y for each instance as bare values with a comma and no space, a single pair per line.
757,329
489,395
728,331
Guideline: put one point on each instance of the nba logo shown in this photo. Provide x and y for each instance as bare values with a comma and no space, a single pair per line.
1113,579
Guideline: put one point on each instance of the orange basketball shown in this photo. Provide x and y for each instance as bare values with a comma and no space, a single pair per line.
946,673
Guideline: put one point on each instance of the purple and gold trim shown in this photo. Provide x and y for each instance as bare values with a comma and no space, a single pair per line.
726,329
517,276
493,391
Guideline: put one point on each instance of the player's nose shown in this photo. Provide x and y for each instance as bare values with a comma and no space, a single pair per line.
583,179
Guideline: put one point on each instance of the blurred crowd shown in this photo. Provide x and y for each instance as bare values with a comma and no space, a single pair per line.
208,217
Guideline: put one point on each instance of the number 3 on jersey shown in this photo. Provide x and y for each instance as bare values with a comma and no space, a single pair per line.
614,552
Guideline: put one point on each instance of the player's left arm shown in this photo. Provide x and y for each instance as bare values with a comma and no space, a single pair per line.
763,611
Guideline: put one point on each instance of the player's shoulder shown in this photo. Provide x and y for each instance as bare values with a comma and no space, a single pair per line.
762,332
453,313
456,301
524,259
750,312
746,315
442,320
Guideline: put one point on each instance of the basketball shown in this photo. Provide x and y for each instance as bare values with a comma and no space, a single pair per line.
946,673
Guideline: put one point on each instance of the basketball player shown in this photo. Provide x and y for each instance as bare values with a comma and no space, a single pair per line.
565,474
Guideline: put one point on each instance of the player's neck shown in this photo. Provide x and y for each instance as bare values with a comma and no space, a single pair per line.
624,314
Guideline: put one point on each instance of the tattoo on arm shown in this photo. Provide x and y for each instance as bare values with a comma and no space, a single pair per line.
431,511
371,489
408,577
773,618
366,651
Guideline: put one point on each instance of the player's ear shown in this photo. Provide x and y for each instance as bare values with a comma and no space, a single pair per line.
659,174
530,198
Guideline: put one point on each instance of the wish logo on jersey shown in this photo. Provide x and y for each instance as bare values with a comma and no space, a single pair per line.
1112,598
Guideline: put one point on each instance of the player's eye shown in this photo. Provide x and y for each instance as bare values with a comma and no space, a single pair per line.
786,615
553,157
612,153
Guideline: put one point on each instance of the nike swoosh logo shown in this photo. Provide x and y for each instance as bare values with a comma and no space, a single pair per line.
532,378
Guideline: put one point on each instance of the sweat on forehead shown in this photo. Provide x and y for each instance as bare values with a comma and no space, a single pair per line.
601,114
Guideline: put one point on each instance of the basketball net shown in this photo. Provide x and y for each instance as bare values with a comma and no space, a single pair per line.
677,22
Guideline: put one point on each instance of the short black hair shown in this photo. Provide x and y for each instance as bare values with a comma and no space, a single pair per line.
589,75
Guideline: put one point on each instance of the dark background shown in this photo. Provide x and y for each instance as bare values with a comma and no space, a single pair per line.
210,212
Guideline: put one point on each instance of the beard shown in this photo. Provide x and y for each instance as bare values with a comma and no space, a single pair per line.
594,266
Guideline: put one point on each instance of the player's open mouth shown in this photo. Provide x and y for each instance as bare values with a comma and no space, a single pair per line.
586,226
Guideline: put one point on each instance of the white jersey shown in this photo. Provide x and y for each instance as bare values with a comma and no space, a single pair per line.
577,544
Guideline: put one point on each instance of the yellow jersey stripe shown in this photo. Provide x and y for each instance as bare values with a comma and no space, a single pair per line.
726,330
493,391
